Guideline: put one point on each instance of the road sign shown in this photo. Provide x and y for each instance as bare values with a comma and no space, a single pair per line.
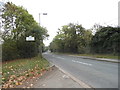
30,38
44,13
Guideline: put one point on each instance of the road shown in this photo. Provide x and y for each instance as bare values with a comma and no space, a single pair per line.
98,74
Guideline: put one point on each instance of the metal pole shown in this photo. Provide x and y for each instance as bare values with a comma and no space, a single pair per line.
119,14
40,47
41,41
39,19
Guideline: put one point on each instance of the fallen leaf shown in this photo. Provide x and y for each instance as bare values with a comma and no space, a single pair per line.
12,76
27,74
20,83
31,85
11,86
16,83
8,72
3,78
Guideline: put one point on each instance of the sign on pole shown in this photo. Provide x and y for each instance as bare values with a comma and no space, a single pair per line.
30,38
44,13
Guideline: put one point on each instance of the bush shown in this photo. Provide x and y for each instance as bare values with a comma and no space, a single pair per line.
18,49
106,41
9,50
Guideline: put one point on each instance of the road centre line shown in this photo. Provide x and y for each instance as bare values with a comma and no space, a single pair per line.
75,61
82,63
60,57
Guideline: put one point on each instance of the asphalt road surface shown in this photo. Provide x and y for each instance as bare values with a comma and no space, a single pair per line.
98,74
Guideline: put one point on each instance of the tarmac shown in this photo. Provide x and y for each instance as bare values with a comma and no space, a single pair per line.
53,78
57,78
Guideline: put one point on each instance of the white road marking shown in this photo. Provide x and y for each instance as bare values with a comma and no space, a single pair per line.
57,57
44,85
60,57
82,63
65,76
75,61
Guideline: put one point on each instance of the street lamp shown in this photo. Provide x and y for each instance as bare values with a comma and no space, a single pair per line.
42,14
41,41
119,14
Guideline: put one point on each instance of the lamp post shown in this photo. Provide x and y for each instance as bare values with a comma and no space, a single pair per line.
41,14
119,14
41,41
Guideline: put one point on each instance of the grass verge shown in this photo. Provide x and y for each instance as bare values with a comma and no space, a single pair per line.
16,71
107,56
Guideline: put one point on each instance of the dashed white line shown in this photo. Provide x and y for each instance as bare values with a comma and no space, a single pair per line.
57,57
82,63
75,61
60,57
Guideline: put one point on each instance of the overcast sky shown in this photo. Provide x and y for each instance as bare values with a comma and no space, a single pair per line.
62,12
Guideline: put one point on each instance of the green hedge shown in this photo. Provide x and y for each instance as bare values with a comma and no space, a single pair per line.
18,49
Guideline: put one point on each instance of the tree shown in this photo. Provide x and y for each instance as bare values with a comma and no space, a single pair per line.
19,24
72,38
96,28
16,21
106,40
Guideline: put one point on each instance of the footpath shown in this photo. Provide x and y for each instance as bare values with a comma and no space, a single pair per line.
56,79
53,78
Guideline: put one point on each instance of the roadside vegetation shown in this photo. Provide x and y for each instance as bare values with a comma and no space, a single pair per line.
107,56
17,71
110,56
19,24
75,39
21,59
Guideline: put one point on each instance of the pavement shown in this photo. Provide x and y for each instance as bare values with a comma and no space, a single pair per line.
53,78
94,73
56,79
